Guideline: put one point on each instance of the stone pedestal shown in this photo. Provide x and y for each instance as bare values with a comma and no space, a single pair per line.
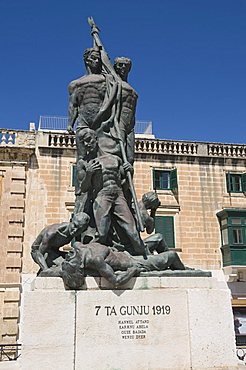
154,323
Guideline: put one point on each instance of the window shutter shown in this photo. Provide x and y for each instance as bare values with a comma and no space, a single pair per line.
154,186
173,180
243,179
228,183
165,226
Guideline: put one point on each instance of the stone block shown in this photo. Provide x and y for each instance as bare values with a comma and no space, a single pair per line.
10,326
47,330
189,282
27,282
12,295
15,245
18,187
92,283
11,311
135,283
49,283
161,326
10,338
16,215
9,365
18,173
12,277
15,229
114,335
13,261
210,317
17,200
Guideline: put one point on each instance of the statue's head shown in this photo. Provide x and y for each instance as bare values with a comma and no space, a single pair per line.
151,200
87,138
78,224
122,66
72,272
92,59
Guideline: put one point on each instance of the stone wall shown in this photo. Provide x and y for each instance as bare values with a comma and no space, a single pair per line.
201,194
36,191
16,150
201,170
50,195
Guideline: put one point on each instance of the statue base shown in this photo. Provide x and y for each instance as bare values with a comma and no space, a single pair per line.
154,323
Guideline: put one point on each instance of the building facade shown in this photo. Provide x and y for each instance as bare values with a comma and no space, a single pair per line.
202,214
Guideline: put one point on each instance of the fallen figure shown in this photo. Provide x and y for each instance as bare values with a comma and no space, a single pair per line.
116,267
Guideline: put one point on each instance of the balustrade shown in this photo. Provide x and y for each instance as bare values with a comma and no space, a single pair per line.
148,146
7,137
226,150
62,140
165,147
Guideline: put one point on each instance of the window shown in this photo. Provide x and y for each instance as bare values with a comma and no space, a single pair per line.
225,240
239,314
165,180
235,182
233,236
237,236
165,226
233,231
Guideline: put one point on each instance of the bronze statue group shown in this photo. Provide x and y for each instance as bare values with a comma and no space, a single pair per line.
107,220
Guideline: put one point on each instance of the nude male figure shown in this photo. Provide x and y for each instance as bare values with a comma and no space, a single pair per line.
108,138
149,203
45,248
91,100
128,102
105,175
117,267
87,92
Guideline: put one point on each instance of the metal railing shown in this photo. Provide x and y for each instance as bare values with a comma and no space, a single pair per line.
143,127
52,123
9,352
241,354
56,123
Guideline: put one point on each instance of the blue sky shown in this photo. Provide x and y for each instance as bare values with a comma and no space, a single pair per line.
189,61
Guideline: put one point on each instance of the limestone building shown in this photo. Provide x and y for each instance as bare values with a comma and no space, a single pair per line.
201,187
